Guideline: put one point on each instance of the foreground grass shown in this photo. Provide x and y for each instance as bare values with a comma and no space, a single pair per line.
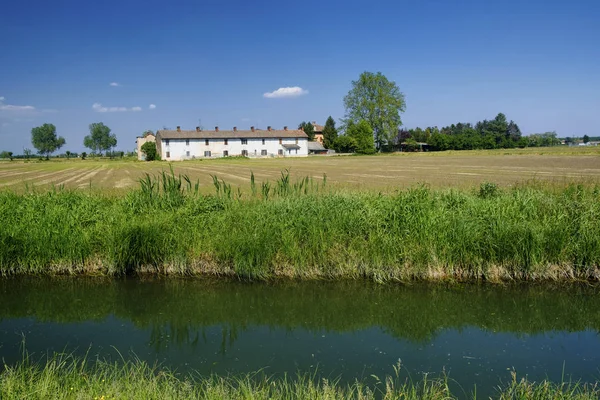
302,230
66,377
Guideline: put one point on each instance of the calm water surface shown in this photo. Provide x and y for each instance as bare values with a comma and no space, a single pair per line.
343,330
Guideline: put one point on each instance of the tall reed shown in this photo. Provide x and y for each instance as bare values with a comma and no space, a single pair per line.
303,229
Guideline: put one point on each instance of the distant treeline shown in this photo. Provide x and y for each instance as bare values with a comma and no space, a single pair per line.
498,133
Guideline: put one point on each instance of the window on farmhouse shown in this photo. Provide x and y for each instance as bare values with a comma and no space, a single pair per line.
296,140
207,154
244,141
187,153
187,142
168,154
280,141
263,142
263,152
280,152
166,142
206,142
225,153
225,142
245,153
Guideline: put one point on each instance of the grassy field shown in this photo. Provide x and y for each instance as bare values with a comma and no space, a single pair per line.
382,172
65,377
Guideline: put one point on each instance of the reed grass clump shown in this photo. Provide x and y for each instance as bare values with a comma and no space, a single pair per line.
68,377
303,229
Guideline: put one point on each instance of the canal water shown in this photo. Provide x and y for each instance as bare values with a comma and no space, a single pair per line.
477,334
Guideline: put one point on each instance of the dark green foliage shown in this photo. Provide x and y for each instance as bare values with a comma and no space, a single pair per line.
495,134
309,129
411,145
344,144
362,133
329,133
7,154
83,155
44,139
379,101
100,138
586,139
149,149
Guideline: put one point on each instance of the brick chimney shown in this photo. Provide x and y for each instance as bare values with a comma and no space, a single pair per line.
285,128
198,129
216,129
235,128
252,128
269,128
178,128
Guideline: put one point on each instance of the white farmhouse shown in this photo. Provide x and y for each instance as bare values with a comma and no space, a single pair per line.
184,145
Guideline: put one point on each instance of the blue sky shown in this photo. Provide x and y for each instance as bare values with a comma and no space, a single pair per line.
465,60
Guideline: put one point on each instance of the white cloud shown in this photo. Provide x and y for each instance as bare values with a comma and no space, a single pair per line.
152,106
100,108
115,84
294,91
11,107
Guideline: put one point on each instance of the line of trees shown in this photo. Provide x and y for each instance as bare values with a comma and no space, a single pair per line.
487,134
46,141
377,103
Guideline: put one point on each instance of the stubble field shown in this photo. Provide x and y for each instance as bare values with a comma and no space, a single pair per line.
462,169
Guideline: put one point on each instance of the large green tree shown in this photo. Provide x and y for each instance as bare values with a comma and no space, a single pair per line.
378,101
100,138
329,133
44,139
362,133
309,129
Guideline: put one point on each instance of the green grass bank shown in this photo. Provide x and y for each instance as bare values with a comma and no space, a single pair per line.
66,377
304,230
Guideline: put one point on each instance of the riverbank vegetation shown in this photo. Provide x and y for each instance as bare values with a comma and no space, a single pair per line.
66,377
301,229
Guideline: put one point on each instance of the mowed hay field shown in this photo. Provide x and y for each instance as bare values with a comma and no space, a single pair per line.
387,172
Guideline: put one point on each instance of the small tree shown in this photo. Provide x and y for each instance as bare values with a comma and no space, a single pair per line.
26,153
68,154
586,139
362,133
149,149
83,155
7,154
411,145
100,138
329,133
44,139
309,129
